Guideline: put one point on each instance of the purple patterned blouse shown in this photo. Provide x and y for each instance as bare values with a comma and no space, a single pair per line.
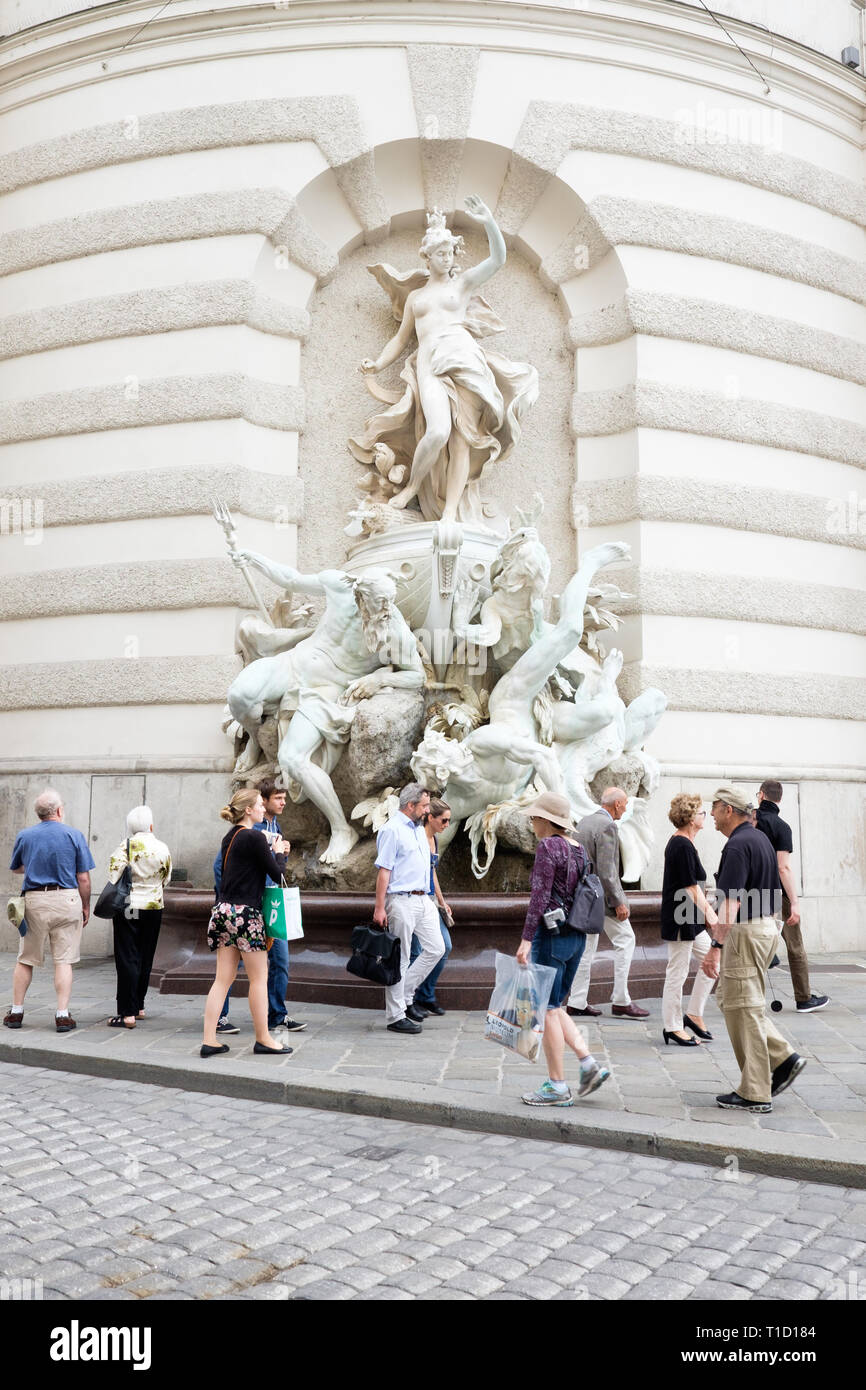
558,864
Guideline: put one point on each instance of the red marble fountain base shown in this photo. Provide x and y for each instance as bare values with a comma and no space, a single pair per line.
484,924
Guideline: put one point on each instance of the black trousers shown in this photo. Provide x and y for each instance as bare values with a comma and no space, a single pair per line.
135,939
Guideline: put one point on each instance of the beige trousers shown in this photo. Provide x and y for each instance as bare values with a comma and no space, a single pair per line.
758,1047
56,919
798,961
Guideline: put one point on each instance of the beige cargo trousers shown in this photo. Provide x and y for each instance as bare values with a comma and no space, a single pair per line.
758,1047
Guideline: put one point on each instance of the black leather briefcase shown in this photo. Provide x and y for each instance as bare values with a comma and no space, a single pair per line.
375,954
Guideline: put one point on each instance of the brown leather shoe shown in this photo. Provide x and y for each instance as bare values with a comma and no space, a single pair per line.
13,1020
628,1011
65,1024
583,1013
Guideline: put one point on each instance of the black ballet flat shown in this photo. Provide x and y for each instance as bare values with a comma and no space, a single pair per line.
212,1051
272,1051
681,1042
699,1032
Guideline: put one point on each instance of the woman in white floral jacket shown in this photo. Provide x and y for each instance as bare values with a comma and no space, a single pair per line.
137,929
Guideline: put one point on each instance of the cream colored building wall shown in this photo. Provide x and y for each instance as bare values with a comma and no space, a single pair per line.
826,27
186,218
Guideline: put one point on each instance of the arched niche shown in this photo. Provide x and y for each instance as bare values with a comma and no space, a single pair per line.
560,269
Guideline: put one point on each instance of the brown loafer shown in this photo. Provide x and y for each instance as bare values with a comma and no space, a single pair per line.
628,1011
65,1024
13,1020
583,1013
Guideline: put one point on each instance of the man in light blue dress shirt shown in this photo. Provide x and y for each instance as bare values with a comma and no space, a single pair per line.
404,906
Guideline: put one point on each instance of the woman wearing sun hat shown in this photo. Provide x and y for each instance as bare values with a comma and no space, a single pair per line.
559,863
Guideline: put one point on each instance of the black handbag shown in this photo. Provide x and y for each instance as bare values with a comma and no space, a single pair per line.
375,955
114,898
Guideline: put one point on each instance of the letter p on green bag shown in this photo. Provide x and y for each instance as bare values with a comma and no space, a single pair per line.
281,908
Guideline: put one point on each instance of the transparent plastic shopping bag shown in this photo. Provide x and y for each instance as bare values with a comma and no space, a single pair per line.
518,1005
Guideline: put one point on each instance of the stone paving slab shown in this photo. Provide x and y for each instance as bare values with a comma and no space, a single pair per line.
181,1196
660,1099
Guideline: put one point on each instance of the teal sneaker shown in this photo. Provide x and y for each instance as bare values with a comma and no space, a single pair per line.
591,1080
547,1095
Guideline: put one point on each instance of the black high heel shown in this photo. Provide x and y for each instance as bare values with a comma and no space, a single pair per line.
700,1032
682,1042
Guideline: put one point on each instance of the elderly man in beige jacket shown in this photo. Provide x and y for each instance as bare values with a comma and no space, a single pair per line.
598,835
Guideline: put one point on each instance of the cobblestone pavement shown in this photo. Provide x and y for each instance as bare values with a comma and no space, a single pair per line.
654,1090
120,1191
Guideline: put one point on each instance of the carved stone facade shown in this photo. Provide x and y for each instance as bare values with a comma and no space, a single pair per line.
688,251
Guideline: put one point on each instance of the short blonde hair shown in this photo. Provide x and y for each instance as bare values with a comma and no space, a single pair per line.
684,808
240,804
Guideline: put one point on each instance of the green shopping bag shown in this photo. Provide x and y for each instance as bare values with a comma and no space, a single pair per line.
281,908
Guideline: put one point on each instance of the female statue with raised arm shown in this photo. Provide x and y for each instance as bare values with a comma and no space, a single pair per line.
462,404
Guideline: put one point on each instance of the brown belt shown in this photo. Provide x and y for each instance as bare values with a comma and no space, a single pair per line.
50,888
410,893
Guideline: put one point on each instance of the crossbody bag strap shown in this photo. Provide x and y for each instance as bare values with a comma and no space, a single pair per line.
229,850
587,866
556,899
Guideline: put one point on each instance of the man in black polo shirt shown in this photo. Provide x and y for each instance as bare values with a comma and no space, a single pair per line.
743,943
778,832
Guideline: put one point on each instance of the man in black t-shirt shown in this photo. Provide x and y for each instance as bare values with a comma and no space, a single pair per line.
743,944
778,832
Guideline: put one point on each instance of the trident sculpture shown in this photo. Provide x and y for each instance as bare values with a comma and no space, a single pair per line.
224,519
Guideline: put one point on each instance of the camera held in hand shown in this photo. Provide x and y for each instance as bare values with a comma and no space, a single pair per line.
552,919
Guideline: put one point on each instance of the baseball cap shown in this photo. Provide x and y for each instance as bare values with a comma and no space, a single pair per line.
731,797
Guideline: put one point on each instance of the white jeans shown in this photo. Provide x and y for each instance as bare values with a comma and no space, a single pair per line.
679,955
621,937
408,914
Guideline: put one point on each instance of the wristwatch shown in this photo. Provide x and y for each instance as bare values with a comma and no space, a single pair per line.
716,945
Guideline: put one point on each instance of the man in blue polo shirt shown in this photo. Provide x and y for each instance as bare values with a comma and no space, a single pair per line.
404,905
56,864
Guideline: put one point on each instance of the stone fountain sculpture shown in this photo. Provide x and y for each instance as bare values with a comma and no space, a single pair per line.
360,645
433,658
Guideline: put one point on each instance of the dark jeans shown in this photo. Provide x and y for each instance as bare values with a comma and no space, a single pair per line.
562,952
135,939
426,991
278,983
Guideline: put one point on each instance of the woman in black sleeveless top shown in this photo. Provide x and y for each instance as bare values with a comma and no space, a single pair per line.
237,926
685,915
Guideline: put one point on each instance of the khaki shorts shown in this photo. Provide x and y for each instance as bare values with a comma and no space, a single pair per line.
55,917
